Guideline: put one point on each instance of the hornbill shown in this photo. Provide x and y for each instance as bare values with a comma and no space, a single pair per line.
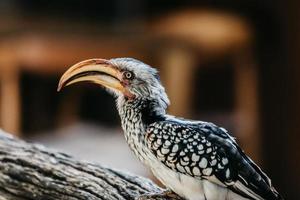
195,159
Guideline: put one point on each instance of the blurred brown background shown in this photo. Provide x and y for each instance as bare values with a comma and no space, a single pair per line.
235,63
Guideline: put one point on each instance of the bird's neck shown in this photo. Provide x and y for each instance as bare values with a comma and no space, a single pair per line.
137,114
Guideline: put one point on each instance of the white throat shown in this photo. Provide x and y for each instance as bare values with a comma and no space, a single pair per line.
133,127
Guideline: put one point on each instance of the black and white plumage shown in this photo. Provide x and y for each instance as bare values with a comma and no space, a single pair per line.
197,160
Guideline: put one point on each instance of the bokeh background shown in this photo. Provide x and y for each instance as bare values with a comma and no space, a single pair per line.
235,63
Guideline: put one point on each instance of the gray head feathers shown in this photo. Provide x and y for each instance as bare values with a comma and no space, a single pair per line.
146,84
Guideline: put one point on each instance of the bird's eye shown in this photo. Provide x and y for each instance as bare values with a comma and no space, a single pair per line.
128,75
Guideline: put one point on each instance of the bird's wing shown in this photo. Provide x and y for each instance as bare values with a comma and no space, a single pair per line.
203,150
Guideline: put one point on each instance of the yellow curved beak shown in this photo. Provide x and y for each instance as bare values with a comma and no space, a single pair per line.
98,71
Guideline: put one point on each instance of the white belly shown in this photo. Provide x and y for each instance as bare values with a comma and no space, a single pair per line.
189,187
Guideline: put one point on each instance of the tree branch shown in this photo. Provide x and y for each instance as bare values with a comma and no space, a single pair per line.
31,171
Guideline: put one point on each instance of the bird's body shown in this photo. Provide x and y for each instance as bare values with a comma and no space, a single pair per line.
186,186
197,160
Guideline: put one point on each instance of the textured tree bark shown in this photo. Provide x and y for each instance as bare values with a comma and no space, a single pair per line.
31,171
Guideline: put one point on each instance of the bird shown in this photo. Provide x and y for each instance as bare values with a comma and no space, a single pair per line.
196,160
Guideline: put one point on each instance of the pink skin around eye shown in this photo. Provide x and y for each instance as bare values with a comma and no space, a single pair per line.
127,93
125,82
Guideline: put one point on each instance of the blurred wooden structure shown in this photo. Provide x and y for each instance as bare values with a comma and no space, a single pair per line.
212,34
47,54
184,35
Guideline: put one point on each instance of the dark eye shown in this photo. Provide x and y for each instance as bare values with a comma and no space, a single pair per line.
128,75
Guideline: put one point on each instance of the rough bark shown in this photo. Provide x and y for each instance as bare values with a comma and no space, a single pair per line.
32,171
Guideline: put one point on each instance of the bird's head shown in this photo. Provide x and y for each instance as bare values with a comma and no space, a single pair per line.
126,78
